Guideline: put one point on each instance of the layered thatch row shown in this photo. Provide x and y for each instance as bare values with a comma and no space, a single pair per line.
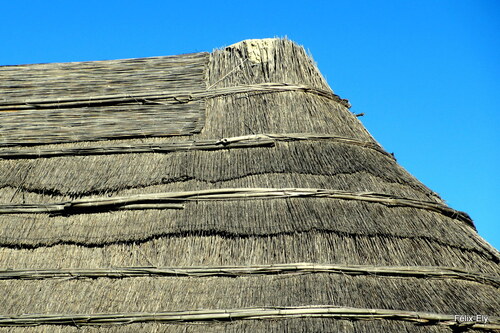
273,210
252,217
207,248
112,173
154,294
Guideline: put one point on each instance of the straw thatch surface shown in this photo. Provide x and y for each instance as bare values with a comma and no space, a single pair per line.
239,193
90,101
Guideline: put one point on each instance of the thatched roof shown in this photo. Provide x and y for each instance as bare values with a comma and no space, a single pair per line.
226,191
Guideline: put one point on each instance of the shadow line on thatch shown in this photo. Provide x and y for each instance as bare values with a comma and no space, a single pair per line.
135,239
426,272
180,179
314,311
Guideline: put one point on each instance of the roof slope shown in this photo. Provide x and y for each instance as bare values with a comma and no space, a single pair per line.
230,191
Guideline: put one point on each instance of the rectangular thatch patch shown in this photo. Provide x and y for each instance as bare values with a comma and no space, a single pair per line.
68,102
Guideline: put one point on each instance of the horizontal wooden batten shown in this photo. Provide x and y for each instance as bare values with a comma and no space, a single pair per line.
82,206
425,272
313,311
141,114
173,96
258,140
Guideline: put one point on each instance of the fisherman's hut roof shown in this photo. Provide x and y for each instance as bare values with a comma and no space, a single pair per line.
219,192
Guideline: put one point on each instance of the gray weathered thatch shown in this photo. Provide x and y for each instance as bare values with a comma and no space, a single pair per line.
226,191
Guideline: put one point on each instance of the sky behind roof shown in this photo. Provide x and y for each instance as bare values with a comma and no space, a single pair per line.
426,74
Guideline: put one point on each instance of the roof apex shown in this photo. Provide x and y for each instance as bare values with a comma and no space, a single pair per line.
257,50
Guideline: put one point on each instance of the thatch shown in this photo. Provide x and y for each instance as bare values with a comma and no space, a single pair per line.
50,103
230,191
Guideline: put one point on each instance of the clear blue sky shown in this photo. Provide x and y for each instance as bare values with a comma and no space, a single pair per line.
425,73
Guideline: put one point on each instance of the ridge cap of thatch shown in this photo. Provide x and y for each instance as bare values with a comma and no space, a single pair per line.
254,48
276,58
